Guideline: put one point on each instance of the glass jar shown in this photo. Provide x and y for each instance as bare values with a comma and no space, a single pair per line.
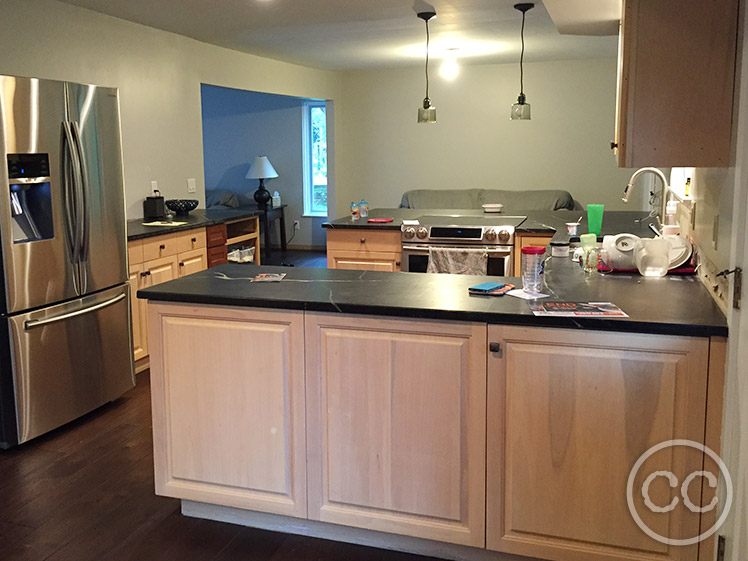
533,258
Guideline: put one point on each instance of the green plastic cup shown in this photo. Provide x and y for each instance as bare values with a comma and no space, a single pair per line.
595,219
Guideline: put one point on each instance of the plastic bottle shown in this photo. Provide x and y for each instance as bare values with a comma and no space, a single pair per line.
533,259
363,208
687,188
354,211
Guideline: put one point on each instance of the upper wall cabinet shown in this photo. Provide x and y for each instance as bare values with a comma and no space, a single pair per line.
676,80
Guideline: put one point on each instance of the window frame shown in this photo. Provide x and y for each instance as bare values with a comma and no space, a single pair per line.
308,172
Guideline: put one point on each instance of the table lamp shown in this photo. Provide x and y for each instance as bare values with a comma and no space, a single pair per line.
261,169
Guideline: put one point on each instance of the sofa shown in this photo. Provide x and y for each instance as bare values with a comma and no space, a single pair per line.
548,199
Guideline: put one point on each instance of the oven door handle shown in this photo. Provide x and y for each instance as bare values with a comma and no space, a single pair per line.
425,248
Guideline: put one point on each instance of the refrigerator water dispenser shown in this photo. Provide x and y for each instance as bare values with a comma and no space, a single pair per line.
30,197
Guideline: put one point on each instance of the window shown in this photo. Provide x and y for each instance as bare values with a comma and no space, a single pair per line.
315,158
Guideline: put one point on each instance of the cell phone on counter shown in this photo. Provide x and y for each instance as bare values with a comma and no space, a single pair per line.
486,287
490,289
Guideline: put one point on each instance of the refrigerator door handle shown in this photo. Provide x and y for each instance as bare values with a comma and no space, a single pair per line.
71,178
31,324
83,195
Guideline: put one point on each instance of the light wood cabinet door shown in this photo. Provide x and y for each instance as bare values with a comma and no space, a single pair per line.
138,312
396,425
160,270
363,260
569,414
364,249
227,389
676,82
192,261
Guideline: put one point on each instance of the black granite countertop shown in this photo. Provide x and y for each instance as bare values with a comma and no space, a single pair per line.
197,218
671,305
539,222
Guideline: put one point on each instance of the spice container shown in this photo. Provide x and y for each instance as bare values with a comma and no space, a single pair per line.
560,248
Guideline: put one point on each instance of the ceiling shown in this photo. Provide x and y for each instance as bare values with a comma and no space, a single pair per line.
359,34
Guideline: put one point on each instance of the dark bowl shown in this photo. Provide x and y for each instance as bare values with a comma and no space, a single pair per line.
181,207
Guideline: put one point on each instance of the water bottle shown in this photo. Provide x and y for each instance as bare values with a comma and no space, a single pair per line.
533,258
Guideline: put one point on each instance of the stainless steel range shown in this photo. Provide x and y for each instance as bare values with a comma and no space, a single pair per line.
494,233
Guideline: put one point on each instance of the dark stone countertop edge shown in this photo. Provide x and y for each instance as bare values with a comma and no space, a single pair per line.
197,219
626,325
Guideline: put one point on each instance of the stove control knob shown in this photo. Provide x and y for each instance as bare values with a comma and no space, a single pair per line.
409,232
422,233
490,234
504,236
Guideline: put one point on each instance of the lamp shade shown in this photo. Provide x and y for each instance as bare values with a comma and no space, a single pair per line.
261,168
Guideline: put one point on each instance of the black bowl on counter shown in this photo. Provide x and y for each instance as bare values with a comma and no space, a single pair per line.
181,207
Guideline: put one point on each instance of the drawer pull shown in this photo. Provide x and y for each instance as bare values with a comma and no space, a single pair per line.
181,264
363,240
145,273
162,246
194,240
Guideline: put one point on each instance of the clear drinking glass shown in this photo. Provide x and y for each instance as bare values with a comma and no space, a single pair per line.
652,256
533,258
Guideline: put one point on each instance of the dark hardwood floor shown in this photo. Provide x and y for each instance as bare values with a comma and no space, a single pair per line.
85,492
297,258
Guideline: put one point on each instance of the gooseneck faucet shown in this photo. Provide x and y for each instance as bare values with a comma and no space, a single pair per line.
665,189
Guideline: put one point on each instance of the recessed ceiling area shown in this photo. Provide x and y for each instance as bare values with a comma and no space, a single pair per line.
360,34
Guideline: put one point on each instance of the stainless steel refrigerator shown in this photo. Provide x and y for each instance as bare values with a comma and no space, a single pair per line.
65,339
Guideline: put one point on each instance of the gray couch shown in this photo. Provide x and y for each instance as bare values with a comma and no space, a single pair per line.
474,198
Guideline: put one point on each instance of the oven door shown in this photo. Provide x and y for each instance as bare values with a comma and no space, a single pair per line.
415,258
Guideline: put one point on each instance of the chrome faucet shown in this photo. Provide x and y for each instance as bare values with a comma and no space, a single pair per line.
664,195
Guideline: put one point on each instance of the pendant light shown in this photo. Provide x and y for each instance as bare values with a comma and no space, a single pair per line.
427,114
521,109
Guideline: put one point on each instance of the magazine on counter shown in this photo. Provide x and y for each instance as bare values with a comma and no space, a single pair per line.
269,277
576,309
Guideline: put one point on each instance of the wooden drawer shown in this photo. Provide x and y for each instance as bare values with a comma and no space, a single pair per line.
191,240
367,240
159,246
135,252
217,256
216,235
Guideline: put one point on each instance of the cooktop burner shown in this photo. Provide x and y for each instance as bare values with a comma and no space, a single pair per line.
467,220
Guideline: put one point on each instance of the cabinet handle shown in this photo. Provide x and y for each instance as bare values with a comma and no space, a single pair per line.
194,240
145,273
613,145
162,246
363,240
397,263
495,347
181,264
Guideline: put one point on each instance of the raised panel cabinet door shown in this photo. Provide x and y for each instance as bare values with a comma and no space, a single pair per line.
569,414
396,425
193,262
363,260
138,313
227,390
160,270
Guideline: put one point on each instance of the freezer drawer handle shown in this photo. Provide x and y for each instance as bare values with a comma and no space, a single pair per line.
39,322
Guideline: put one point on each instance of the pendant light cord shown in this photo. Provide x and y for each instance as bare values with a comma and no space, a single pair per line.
521,57
427,58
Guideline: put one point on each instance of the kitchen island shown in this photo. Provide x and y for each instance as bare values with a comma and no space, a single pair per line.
396,410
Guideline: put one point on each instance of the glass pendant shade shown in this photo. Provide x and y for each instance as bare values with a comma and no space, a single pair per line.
520,110
427,113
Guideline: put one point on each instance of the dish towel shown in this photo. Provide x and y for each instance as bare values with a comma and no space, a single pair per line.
458,261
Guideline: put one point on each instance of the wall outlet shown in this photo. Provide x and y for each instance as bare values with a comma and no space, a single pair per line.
154,186
296,225
191,187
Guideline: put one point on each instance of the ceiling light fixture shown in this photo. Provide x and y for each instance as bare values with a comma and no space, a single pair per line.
449,68
521,109
427,113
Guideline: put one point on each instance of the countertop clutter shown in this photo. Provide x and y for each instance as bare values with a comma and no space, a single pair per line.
196,219
679,306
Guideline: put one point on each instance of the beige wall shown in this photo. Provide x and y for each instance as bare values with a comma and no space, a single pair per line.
383,151
158,75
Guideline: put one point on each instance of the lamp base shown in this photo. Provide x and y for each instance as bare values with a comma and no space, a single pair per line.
262,196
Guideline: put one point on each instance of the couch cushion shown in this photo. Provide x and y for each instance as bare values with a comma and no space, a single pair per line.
541,199
437,198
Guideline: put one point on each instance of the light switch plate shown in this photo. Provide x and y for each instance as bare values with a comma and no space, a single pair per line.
191,188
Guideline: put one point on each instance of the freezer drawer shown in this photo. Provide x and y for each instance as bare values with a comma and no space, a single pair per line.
69,359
